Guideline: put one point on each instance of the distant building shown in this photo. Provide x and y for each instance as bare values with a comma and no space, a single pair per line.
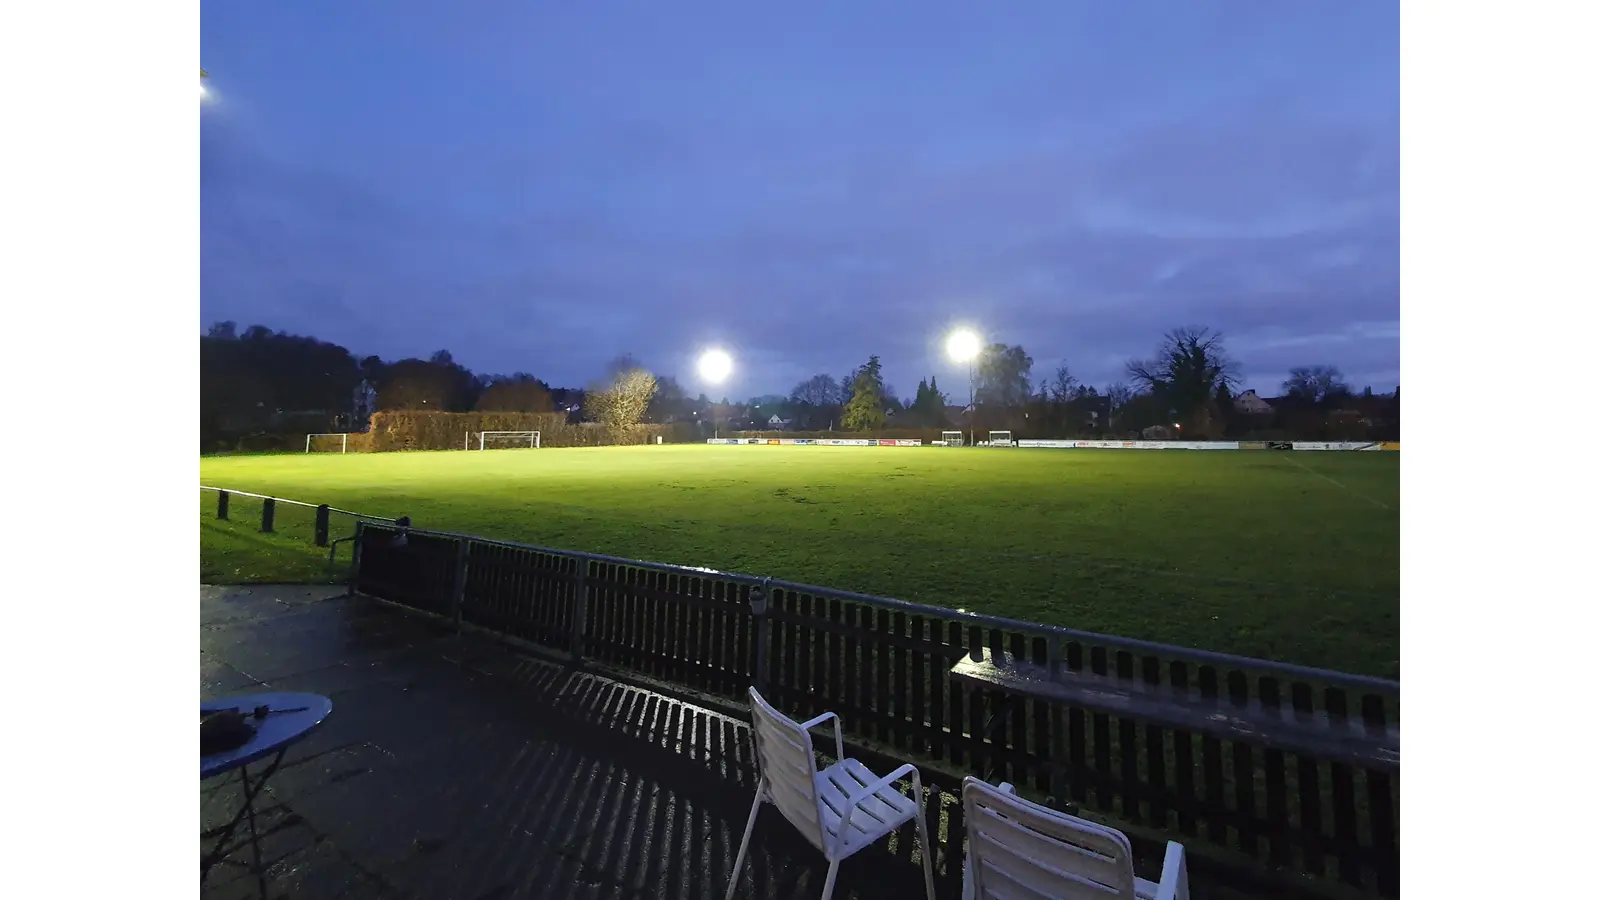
777,423
1250,403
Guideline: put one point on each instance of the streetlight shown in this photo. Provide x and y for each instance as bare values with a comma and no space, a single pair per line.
963,346
714,366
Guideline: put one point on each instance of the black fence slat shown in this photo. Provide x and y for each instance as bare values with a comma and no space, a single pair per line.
938,677
1104,796
880,679
1244,771
902,701
921,738
1044,773
958,731
977,722
835,653
1128,750
1155,753
1381,807
852,676
1211,768
1308,787
1275,766
1183,758
1346,842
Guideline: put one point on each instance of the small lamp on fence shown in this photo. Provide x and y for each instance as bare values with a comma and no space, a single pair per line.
758,600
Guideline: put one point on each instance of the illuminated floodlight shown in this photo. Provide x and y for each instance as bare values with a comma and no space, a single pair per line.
715,366
963,345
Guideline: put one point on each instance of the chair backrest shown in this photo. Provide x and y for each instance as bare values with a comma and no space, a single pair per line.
1018,848
789,768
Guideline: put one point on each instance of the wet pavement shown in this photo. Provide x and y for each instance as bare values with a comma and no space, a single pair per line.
452,767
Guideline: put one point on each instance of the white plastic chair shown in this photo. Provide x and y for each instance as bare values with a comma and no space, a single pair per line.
1017,848
840,809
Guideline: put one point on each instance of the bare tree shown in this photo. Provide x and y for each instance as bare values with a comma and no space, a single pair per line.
1117,396
1189,366
1315,384
621,399
1061,385
818,390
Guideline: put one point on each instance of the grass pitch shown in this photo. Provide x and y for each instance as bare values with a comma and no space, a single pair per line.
1289,556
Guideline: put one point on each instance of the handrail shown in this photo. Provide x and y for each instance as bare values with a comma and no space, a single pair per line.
1209,657
344,512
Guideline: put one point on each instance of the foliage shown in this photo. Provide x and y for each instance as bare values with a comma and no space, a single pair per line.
621,399
415,430
1225,551
251,382
927,408
1004,377
864,411
1188,367
515,393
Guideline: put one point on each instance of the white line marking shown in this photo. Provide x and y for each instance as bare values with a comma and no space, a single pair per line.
1378,503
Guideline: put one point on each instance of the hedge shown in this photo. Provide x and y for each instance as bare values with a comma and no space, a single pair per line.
417,430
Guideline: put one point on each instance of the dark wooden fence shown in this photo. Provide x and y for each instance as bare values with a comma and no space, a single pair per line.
1285,772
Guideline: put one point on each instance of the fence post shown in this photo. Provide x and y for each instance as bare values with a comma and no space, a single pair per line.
269,508
222,504
355,558
458,588
322,525
1058,737
580,609
758,608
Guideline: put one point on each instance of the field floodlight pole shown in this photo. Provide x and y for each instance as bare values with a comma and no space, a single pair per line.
972,405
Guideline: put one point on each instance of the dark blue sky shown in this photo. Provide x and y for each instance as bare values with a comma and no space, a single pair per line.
541,186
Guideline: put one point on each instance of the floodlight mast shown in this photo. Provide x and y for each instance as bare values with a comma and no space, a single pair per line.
963,346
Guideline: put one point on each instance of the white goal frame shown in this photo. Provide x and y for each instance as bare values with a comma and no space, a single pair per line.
995,441
344,440
953,438
532,436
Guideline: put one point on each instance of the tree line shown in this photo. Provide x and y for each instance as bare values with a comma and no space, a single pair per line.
258,380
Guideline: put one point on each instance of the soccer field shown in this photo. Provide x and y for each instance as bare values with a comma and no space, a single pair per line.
1292,556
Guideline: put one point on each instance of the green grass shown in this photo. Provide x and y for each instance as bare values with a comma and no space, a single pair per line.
1288,556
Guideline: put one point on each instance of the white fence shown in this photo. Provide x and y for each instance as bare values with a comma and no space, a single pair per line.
1087,445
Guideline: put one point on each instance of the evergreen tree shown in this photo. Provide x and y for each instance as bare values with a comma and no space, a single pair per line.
864,411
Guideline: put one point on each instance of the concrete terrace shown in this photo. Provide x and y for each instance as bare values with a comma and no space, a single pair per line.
454,768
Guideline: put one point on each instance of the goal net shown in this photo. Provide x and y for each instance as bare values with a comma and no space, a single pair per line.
952,438
1000,439
327,443
504,440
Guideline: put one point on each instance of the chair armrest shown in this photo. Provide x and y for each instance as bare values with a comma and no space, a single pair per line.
1174,875
838,737
880,784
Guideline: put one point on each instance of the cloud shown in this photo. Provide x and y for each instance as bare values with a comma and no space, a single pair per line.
1278,229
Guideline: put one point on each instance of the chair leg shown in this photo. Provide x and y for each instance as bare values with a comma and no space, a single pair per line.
918,797
927,852
833,875
744,844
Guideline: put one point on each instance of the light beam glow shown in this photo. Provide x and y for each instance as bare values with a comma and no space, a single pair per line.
715,366
963,345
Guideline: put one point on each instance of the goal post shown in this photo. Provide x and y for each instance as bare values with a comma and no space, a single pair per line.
1000,439
500,440
953,438
344,442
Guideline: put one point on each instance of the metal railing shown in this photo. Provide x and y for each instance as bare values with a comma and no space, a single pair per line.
1241,777
269,512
